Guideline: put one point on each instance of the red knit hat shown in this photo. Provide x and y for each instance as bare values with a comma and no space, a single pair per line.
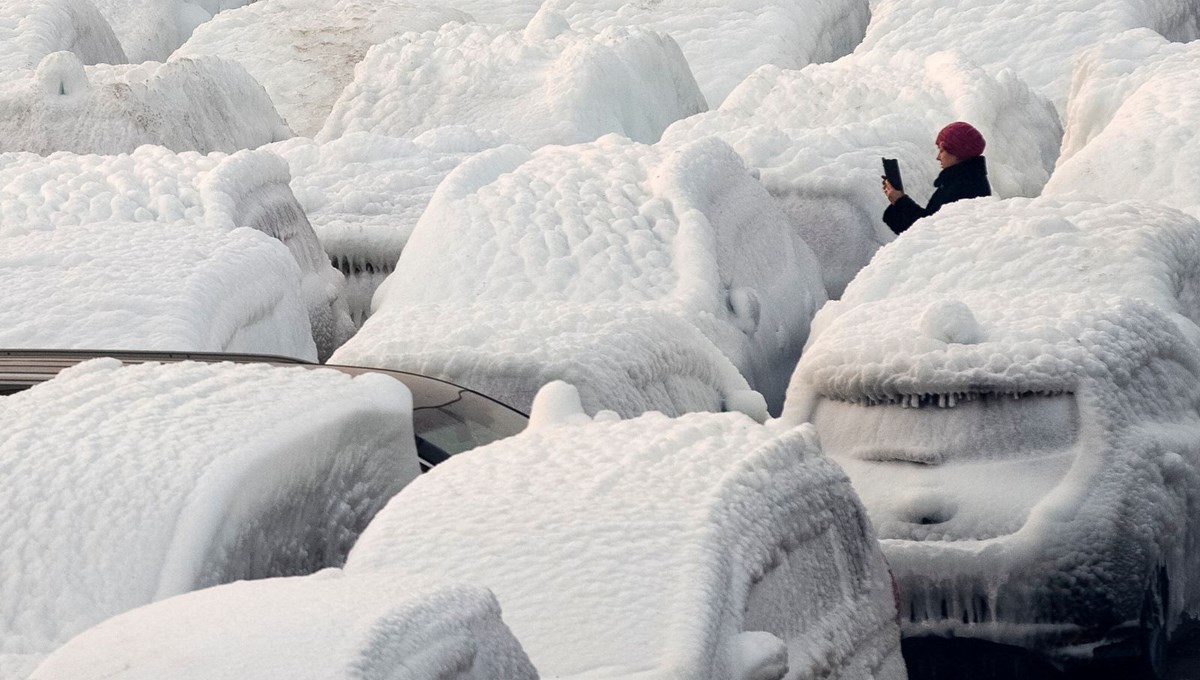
961,139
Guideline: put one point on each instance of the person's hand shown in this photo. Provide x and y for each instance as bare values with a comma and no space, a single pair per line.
893,194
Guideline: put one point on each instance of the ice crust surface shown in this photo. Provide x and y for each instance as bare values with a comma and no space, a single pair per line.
646,546
188,105
591,229
546,84
303,628
30,30
150,30
724,41
816,134
304,52
125,485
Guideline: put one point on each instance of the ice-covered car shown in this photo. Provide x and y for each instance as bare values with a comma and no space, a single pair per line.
1012,386
706,547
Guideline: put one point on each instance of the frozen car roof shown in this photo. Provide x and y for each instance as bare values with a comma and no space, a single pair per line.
641,545
32,29
187,105
547,84
305,628
129,484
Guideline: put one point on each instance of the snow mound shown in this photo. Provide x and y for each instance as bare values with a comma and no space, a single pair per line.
152,286
1131,124
545,85
304,628
648,546
684,232
817,135
150,30
1039,39
364,193
304,52
725,41
246,189
125,485
32,29
189,105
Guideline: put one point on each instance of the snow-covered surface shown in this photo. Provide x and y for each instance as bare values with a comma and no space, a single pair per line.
547,84
725,40
124,485
315,627
1131,123
646,547
1039,360
817,134
364,193
152,286
597,230
32,29
150,30
202,105
248,188
304,52
1038,39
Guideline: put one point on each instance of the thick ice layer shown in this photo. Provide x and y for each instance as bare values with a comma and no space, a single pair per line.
817,135
152,286
189,105
248,188
547,84
1039,39
124,485
1012,387
364,193
304,628
1132,121
684,232
511,14
32,29
304,52
646,547
725,41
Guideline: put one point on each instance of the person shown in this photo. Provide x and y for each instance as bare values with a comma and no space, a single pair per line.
964,175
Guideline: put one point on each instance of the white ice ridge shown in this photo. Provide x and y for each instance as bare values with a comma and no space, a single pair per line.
203,105
1038,39
646,547
317,627
248,188
725,40
681,231
33,29
304,52
150,30
152,286
364,193
1131,123
817,134
548,84
124,485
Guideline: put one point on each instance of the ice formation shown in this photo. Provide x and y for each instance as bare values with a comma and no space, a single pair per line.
724,40
547,84
1038,39
150,30
199,105
706,547
304,52
315,627
817,135
364,193
1131,123
521,256
1012,388
124,485
246,189
152,286
32,29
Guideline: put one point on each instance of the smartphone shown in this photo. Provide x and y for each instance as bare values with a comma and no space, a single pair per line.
891,172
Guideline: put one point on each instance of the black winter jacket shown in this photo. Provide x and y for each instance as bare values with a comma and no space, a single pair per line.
965,179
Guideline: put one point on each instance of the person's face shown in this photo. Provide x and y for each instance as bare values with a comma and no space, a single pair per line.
945,157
